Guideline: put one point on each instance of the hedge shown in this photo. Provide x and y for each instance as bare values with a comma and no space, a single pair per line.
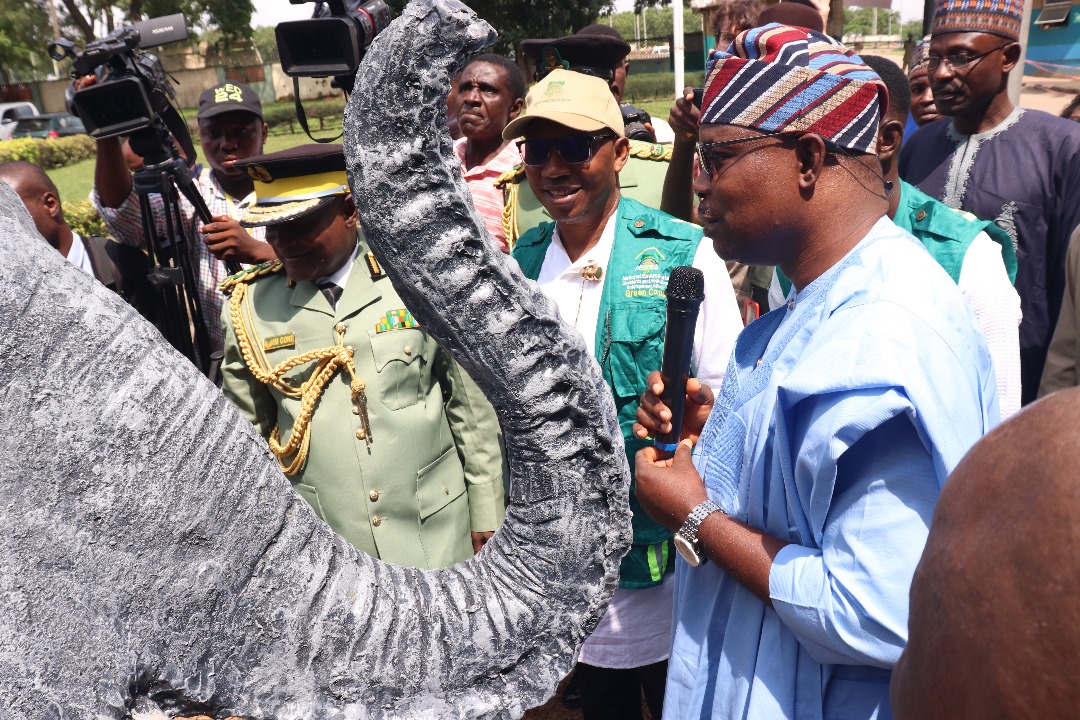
654,86
83,218
51,153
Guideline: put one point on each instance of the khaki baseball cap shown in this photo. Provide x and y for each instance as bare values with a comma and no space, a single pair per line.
580,102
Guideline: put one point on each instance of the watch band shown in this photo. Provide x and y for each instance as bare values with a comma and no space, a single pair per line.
692,524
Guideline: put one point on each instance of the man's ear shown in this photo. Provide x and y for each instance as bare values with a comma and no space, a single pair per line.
348,210
810,151
622,153
1012,57
890,136
265,132
52,204
516,108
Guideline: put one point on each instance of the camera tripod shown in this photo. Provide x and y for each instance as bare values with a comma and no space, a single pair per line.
181,318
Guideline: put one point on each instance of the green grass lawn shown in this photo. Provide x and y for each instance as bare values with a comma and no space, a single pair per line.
74,181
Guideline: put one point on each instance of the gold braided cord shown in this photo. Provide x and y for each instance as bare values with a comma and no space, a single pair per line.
330,361
249,274
650,151
510,215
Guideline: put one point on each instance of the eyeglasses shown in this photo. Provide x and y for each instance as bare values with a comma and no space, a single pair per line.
707,151
573,149
959,61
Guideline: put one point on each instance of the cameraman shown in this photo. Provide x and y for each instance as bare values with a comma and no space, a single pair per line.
231,128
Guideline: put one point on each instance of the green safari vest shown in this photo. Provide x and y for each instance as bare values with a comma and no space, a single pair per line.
630,342
946,233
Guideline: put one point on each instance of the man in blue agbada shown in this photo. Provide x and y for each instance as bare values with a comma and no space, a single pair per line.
805,508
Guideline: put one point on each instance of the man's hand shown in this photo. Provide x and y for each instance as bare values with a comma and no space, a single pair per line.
668,489
228,241
684,117
654,417
479,539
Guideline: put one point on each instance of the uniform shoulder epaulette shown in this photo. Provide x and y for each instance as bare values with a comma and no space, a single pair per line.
512,175
250,274
650,151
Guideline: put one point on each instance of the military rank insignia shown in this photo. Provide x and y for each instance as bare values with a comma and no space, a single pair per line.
396,320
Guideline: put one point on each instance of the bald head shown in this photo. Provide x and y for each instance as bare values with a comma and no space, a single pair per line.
42,201
994,629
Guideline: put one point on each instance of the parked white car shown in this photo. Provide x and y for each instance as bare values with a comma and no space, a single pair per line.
11,113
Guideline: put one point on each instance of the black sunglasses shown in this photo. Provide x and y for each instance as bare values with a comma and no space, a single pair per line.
573,149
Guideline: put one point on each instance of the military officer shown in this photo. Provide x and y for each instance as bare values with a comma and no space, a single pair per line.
376,426
592,51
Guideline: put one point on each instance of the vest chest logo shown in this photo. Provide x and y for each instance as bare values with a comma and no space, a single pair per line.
277,342
648,278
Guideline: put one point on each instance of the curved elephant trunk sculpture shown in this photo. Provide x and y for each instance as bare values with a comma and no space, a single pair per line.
151,550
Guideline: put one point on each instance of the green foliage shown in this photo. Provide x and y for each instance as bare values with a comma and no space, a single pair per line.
518,20
48,153
24,26
83,218
654,22
653,86
860,21
264,39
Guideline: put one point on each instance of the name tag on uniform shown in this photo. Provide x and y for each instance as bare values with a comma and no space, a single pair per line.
277,342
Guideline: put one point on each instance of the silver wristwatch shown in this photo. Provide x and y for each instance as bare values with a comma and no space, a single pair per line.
686,540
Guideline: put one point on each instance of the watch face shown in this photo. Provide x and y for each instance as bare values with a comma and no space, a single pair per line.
688,552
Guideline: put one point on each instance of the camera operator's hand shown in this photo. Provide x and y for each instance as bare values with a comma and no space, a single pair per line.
684,118
227,240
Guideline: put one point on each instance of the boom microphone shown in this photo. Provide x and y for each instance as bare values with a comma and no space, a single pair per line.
685,291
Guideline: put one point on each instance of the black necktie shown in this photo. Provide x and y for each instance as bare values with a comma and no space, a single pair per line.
331,291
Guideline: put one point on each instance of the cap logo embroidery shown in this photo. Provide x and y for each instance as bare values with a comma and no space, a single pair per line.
554,88
227,93
258,172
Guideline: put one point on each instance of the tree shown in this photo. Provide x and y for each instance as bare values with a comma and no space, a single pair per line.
93,18
24,33
518,20
860,21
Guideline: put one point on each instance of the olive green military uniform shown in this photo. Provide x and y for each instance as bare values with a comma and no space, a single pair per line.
642,179
429,468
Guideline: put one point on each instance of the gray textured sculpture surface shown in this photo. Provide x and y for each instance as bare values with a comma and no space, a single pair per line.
151,551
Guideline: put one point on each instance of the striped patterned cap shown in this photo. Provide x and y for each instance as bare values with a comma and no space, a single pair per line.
997,17
919,57
782,79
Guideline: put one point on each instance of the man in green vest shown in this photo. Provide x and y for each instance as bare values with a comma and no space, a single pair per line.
605,262
978,255
599,51
376,426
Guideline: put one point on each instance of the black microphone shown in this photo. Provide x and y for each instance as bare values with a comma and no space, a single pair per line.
685,291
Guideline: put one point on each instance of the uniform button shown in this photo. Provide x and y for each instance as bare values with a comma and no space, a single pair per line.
341,327
350,349
356,411
376,520
920,216
374,495
639,224
360,434
446,490
407,350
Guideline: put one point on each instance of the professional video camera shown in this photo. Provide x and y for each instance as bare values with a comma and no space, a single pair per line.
131,95
132,91
333,42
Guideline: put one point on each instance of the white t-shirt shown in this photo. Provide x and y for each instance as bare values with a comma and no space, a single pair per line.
636,629
79,256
